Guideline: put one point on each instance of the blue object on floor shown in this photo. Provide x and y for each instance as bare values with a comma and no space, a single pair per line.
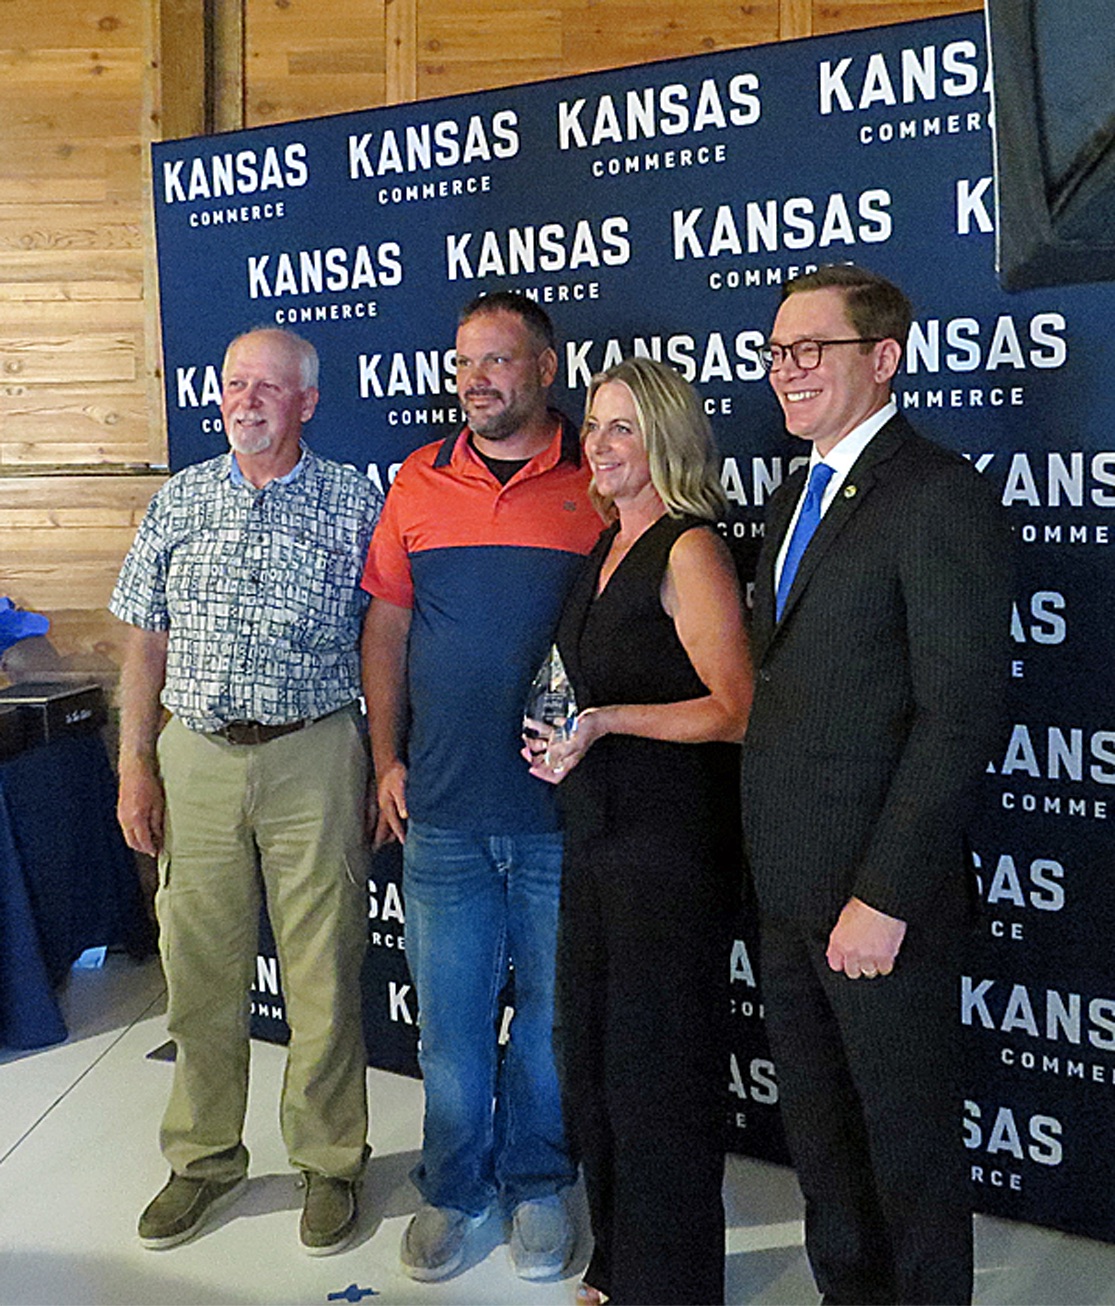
91,959
352,1293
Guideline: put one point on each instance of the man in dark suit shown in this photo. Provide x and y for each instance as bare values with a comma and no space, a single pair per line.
880,647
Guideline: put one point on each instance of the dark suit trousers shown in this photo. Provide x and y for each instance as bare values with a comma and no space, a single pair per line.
869,1087
642,997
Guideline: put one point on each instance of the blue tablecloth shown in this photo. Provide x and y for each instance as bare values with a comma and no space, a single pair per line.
67,881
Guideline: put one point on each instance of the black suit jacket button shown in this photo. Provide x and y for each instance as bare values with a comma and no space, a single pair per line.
764,674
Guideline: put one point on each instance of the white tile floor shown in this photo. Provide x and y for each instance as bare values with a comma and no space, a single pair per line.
78,1161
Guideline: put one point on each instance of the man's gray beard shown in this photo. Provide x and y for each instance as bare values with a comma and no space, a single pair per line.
239,445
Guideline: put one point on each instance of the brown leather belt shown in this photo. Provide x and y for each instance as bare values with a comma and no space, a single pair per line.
255,732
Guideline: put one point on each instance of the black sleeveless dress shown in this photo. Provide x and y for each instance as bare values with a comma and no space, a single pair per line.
650,884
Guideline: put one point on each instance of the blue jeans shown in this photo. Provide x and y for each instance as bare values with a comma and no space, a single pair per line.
474,903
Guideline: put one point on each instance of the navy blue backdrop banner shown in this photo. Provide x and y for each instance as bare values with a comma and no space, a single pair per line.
657,210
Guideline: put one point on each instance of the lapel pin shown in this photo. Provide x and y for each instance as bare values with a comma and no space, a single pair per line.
849,491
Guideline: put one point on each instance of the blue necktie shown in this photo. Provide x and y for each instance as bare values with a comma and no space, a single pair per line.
808,519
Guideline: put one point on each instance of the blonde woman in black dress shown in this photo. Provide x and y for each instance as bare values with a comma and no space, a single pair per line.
653,639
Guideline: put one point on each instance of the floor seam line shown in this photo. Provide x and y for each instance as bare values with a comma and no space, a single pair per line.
88,1069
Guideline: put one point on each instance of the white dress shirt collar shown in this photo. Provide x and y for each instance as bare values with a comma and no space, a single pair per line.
842,456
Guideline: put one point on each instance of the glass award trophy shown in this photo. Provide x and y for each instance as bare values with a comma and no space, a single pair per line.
551,709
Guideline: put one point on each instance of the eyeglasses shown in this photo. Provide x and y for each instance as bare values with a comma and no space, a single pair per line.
806,354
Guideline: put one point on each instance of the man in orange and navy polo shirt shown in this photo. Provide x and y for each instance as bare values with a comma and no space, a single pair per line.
479,540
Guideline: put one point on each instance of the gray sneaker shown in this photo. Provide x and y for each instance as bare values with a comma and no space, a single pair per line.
541,1238
433,1245
328,1213
182,1206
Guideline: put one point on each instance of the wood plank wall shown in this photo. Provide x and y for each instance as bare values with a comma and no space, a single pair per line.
85,88
76,98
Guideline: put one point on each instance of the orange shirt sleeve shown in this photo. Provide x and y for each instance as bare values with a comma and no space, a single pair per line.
387,570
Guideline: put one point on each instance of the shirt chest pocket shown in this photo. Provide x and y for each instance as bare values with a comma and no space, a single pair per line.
298,586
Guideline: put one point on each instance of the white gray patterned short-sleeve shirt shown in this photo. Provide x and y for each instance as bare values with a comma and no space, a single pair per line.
259,590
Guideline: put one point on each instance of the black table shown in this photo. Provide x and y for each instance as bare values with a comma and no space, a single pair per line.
67,881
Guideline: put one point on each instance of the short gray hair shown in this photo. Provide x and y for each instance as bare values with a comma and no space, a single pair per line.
308,365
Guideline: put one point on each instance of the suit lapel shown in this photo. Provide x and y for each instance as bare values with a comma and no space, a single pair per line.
851,496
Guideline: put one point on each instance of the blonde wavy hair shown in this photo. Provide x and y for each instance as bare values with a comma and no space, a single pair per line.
681,450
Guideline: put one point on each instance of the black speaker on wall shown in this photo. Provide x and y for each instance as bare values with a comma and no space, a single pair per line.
1053,94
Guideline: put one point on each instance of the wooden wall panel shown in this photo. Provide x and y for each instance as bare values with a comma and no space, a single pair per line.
63,536
625,33
71,211
61,360
31,275
401,38
505,41
70,24
64,225
75,119
305,57
178,47
847,15
309,57
68,425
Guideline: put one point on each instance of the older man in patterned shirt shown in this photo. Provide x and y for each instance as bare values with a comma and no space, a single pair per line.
242,591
